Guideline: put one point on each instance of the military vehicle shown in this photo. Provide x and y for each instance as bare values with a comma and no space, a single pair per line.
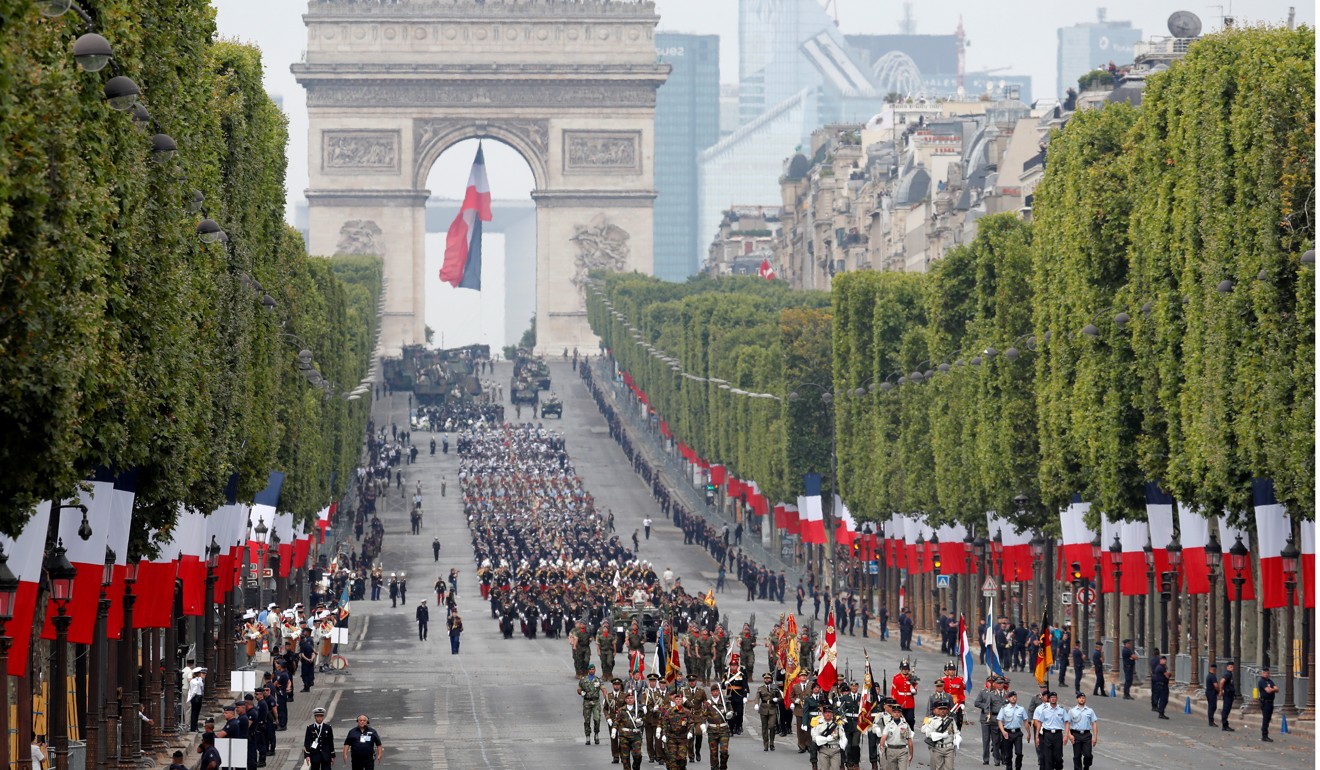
621,618
552,405
435,376
533,368
522,392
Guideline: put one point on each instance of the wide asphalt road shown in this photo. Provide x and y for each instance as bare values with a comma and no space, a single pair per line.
503,704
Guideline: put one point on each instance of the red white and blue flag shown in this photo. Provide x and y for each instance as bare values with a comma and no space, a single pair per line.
462,266
964,650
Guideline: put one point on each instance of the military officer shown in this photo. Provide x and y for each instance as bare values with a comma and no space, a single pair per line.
829,738
1051,724
705,655
694,700
715,726
904,690
957,689
768,697
636,639
589,687
676,726
800,692
942,735
812,710
735,689
982,702
721,643
850,707
612,699
895,736
654,703
628,722
319,742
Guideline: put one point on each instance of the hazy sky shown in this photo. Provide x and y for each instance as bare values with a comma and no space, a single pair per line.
1017,34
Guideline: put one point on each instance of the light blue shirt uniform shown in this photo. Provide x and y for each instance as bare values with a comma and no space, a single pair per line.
1012,716
1081,718
1050,717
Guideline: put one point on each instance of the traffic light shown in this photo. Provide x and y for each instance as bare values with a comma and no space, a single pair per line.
710,494
1076,571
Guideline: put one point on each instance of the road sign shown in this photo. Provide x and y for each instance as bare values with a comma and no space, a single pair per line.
1086,596
989,587
941,581
1067,597
875,568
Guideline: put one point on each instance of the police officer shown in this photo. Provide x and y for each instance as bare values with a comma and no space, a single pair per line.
1266,688
1128,657
895,736
589,687
1085,732
363,746
1098,663
1051,724
1012,719
210,757
1159,685
1227,692
768,698
1212,693
319,742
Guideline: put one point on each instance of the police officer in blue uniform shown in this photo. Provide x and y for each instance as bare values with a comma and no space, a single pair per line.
1051,723
1012,719
1085,732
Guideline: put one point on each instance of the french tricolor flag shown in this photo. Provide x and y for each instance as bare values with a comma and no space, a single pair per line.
462,266
813,520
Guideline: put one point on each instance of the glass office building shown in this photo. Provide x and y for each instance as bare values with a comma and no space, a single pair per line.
687,121
1093,45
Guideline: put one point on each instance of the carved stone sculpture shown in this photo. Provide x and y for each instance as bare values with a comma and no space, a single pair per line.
601,246
361,150
601,150
360,236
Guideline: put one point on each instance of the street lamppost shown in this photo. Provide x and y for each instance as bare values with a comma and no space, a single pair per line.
1214,555
969,581
1097,594
1037,559
920,588
1116,554
1289,559
997,565
96,676
1238,560
259,533
978,548
208,618
128,669
273,559
1174,552
8,595
1148,606
61,575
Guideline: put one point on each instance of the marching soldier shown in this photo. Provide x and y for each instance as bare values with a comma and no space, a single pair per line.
721,643
747,648
800,692
767,705
590,689
850,708
1085,728
735,688
636,639
627,731
715,726
942,735
904,690
612,700
676,727
705,656
895,737
654,702
694,700
956,689
813,707
828,735
605,646
580,642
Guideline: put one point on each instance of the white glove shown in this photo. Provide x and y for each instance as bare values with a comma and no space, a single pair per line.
957,740
703,729
843,741
614,733
609,722
664,739
938,736
757,707
689,735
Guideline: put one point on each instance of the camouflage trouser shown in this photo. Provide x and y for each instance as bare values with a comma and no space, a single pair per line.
705,665
590,716
607,666
676,751
717,743
630,748
580,661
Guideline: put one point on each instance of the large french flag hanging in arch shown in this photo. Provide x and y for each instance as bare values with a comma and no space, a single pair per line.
462,266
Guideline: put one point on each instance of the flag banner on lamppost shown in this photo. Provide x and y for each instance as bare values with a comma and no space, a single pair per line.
813,519
25,554
1077,537
1194,533
87,556
953,549
121,519
193,542
1308,563
1159,516
1132,537
1227,537
1272,530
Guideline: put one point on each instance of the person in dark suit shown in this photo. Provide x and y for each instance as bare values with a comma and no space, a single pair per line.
1227,692
319,742
1267,689
1079,663
423,618
1159,685
1098,664
1128,657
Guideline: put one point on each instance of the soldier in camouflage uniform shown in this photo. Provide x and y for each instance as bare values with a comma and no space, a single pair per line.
705,656
721,653
628,726
715,726
589,688
676,726
747,649
580,642
612,700
605,643
636,639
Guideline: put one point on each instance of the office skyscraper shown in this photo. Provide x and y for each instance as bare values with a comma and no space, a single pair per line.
687,121
1092,45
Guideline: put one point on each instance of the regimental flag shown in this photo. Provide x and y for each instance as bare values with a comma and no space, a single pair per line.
869,697
1044,652
766,271
710,598
462,266
792,667
991,656
673,672
829,652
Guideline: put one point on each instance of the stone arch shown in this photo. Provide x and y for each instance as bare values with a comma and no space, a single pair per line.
433,136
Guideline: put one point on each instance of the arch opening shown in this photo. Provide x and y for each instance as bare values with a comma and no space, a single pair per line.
500,312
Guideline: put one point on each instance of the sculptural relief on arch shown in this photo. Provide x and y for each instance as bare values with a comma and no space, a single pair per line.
392,84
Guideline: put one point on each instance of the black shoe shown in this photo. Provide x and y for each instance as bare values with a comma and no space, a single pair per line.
1212,724
1267,739
588,741
598,740
985,761
1128,697
772,747
1163,717
1228,729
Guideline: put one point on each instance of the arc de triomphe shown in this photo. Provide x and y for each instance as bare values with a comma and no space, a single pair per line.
570,85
